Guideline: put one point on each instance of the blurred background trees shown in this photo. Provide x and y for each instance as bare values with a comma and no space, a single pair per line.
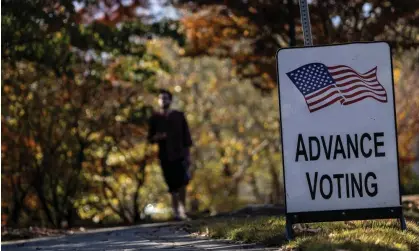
79,81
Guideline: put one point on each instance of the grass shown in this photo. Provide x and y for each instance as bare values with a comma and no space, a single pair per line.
353,235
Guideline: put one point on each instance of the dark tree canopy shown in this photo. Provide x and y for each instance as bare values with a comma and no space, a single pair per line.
250,32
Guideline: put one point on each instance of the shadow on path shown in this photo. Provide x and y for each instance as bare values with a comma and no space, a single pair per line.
144,237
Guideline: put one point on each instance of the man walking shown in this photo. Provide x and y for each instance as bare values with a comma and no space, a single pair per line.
169,129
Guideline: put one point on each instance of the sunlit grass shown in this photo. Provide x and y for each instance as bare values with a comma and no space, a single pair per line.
263,230
370,235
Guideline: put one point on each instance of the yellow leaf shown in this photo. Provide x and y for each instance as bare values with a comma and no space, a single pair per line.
397,74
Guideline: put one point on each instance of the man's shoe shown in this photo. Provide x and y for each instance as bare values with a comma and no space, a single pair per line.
184,217
181,218
177,217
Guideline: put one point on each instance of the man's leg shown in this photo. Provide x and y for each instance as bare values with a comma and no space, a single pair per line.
167,168
175,204
182,190
182,203
182,195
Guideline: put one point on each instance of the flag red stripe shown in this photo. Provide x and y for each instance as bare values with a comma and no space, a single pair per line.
337,66
353,87
363,97
356,80
324,98
327,104
347,67
337,79
319,92
363,91
351,71
373,69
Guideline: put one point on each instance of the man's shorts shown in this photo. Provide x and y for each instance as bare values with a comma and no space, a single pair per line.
175,173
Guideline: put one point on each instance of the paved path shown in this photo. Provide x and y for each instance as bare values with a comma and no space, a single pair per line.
169,236
142,237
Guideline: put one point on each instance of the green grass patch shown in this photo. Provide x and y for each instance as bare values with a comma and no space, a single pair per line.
353,235
267,230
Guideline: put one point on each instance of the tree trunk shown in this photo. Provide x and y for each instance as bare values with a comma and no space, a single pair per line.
16,210
255,189
44,204
277,196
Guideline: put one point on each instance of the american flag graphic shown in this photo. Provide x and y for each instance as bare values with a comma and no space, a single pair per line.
323,85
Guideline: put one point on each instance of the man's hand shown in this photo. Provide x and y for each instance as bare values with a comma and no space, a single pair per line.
188,157
159,136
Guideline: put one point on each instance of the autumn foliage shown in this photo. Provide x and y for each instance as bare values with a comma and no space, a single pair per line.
79,82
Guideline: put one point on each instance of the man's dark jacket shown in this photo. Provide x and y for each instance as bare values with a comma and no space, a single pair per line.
178,139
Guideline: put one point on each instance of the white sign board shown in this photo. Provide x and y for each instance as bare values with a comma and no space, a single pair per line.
338,127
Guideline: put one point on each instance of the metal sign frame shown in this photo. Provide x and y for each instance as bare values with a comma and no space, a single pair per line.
341,215
305,22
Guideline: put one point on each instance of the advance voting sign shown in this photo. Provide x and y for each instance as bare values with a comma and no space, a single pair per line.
338,132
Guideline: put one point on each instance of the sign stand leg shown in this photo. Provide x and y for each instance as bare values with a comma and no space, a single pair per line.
288,229
402,222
